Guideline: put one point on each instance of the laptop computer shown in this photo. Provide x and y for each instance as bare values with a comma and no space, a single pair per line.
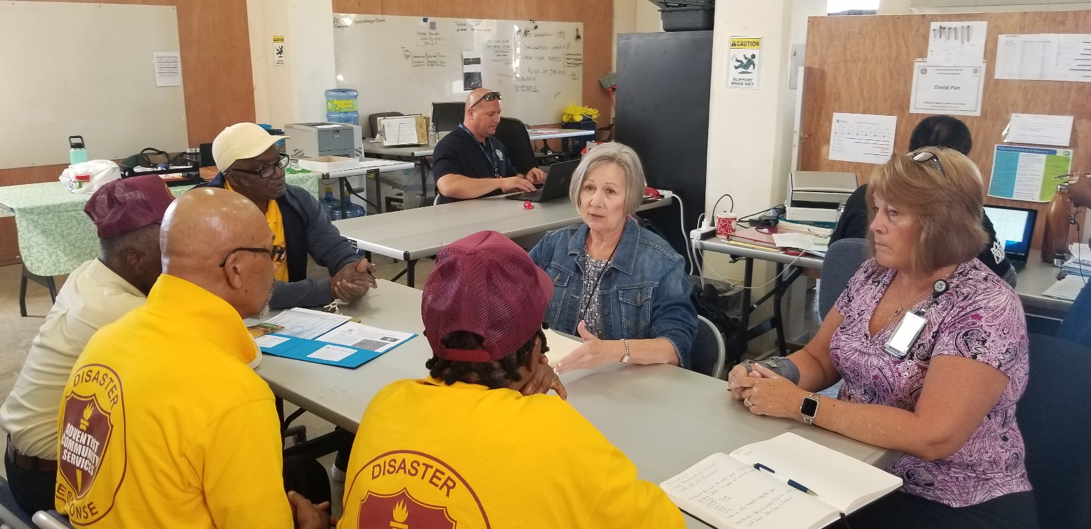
556,183
1014,227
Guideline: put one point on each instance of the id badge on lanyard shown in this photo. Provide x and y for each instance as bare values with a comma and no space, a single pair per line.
492,162
909,328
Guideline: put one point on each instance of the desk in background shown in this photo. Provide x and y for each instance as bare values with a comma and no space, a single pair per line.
411,234
563,134
56,236
662,417
411,153
1034,279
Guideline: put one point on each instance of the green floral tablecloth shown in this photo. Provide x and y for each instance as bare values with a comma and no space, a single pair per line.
56,236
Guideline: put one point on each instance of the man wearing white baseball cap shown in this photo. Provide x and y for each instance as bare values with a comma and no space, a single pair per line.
251,165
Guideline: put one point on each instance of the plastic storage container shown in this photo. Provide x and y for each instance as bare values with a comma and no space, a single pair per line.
688,18
341,106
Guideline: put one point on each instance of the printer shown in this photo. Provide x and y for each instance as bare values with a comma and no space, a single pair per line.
315,140
818,196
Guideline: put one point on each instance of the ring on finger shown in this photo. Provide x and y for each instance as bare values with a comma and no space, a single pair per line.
747,402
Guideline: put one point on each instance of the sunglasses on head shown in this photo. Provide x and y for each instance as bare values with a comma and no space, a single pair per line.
924,156
489,96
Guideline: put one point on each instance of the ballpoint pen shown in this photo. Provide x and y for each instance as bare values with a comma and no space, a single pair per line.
791,483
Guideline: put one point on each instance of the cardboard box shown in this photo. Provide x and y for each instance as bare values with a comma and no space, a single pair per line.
326,164
403,130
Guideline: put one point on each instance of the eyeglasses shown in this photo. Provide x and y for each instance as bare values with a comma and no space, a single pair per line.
276,253
491,96
270,170
924,156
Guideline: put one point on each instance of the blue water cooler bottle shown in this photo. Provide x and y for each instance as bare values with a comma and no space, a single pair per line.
341,106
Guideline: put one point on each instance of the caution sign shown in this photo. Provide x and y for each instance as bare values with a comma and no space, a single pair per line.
278,50
744,63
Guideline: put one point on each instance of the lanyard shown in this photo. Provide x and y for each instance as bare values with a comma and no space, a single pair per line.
495,169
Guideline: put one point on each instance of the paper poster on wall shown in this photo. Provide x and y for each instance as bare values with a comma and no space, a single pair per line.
953,90
744,63
1028,173
1044,57
957,43
865,138
278,50
168,68
471,70
1039,129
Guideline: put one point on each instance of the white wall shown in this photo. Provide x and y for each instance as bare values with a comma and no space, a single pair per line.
634,16
750,131
294,92
901,7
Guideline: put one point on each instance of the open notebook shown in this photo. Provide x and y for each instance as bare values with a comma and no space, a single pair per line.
728,492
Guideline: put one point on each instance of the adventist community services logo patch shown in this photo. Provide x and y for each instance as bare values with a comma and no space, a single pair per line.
413,490
92,443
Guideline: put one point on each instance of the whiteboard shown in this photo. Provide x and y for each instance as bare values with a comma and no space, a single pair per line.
86,69
404,64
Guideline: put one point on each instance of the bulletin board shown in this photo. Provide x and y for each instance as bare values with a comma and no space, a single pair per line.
404,64
864,65
86,69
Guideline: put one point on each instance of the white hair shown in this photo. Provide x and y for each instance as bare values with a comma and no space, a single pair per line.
621,155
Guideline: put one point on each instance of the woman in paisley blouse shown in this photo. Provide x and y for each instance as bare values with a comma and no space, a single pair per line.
947,400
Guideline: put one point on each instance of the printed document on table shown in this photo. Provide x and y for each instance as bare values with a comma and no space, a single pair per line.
306,323
957,43
1028,173
366,337
1067,288
1039,129
947,89
865,138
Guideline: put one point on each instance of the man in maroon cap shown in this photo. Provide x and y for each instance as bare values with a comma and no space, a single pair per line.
127,214
478,443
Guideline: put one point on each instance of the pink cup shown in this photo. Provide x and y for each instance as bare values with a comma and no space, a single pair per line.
725,225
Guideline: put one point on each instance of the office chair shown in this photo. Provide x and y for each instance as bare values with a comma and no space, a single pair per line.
1054,416
373,121
1076,325
708,353
842,260
10,513
513,134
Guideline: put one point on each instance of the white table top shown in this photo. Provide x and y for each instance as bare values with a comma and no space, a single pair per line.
370,165
718,245
407,151
548,134
663,417
421,232
1034,279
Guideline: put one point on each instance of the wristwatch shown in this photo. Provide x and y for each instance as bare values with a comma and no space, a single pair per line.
809,408
625,357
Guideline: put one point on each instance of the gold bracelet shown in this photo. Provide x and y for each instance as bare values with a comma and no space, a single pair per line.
625,357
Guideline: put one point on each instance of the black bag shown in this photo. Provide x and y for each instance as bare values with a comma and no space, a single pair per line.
721,303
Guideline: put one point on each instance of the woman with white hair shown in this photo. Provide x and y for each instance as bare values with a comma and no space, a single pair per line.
620,287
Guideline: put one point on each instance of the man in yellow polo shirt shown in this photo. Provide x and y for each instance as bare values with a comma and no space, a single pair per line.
475,445
162,422
251,164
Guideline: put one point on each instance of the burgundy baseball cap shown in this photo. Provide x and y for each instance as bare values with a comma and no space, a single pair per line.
122,206
484,284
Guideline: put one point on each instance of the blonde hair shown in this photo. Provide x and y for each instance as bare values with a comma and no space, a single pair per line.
947,203
621,155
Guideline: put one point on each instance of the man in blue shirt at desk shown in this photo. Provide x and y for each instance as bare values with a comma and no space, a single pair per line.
470,163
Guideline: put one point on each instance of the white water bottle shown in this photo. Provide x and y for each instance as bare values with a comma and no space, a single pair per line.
431,133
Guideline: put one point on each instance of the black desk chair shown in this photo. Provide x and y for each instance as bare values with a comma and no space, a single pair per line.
513,134
10,513
1054,416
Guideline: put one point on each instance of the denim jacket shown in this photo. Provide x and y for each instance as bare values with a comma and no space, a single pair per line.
644,292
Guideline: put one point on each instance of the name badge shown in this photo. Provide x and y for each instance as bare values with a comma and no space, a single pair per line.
905,334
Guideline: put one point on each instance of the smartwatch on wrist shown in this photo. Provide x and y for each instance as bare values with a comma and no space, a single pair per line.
809,408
